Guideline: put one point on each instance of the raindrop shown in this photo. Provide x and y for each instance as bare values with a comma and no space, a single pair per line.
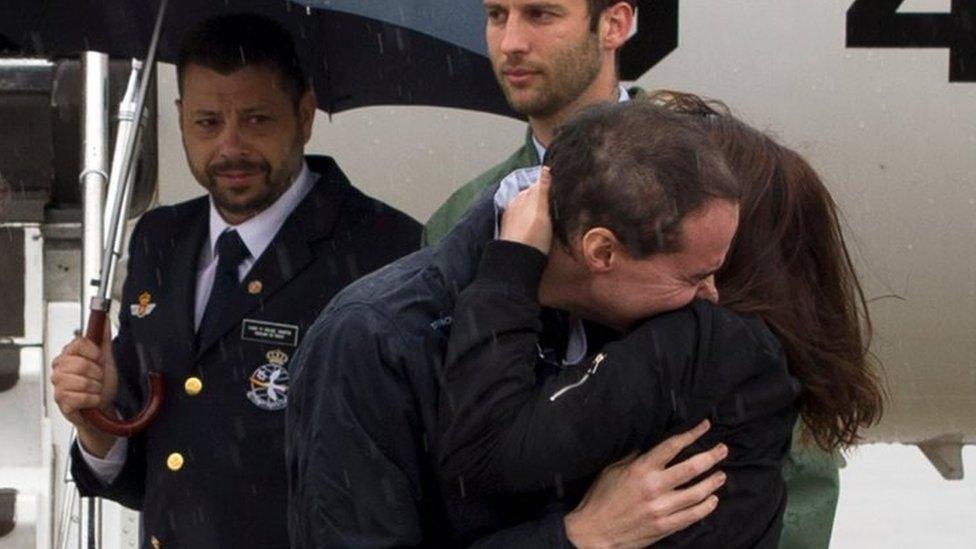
560,490
399,39
740,407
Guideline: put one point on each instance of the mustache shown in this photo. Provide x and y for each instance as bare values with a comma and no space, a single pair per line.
240,165
516,61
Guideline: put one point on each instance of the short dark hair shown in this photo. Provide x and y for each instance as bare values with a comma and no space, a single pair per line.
636,169
228,43
596,8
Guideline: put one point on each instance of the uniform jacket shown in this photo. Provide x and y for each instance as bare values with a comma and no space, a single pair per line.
229,490
811,474
361,429
508,426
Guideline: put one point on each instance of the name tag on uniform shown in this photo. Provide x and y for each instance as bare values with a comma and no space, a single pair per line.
269,332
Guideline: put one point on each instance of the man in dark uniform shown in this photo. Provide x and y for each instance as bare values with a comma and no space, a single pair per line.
220,292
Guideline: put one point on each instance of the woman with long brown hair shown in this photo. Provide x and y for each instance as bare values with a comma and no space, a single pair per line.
788,270
789,265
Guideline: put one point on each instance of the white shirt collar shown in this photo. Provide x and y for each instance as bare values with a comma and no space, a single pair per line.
258,232
541,150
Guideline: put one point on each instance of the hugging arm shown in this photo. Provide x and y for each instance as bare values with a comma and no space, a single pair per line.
501,429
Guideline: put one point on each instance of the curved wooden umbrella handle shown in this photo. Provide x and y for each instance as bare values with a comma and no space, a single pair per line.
157,389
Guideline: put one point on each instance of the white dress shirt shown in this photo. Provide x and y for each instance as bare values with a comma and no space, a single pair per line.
257,234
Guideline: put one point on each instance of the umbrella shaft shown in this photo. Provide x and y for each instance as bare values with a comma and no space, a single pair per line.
126,167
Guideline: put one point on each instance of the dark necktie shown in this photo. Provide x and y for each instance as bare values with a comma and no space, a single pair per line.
230,252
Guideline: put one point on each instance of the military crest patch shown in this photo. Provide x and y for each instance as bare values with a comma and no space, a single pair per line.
269,383
144,307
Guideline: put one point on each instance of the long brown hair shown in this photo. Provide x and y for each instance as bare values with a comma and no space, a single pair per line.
789,265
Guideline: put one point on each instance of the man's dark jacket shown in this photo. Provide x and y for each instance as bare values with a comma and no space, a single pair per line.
230,490
361,438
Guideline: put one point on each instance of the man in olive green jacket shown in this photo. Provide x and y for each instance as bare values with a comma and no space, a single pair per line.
551,62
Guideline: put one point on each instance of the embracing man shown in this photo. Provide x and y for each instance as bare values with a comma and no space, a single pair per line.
363,435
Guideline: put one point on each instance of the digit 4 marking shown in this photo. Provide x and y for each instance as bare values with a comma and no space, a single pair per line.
877,24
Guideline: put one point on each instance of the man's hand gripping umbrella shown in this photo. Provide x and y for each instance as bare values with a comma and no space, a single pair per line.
85,379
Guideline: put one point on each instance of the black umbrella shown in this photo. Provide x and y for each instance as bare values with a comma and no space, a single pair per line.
357,52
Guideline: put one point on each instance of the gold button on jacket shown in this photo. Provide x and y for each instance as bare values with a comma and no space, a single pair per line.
175,461
193,386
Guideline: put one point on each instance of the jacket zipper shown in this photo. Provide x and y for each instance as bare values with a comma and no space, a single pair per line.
590,371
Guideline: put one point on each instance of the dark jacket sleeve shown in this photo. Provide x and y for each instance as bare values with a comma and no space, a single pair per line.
548,532
352,454
128,488
504,429
354,445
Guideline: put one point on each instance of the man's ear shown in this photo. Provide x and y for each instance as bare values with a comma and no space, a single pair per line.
600,249
306,113
615,24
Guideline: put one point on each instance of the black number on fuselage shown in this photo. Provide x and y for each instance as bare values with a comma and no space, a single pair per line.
877,24
657,36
